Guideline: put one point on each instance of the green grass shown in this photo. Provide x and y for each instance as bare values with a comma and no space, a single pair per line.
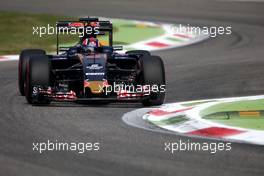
219,113
238,121
16,32
130,33
248,105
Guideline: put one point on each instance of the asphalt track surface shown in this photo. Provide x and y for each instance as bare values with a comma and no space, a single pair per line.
221,67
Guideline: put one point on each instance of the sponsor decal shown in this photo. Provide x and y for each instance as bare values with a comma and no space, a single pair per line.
94,66
95,74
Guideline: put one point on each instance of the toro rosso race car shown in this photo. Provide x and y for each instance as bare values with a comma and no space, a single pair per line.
91,71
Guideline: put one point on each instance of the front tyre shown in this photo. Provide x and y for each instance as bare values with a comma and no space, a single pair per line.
23,58
153,75
37,76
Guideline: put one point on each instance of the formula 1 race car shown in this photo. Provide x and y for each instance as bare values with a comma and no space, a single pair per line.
90,71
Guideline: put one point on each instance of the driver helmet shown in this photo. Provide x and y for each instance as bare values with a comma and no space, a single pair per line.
91,42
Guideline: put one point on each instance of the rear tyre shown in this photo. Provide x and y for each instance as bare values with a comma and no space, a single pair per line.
153,75
139,52
23,58
37,74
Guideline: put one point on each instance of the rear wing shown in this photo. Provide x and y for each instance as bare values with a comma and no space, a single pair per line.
85,22
82,24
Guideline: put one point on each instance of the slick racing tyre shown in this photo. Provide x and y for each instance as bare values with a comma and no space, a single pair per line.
153,75
23,58
139,52
37,74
